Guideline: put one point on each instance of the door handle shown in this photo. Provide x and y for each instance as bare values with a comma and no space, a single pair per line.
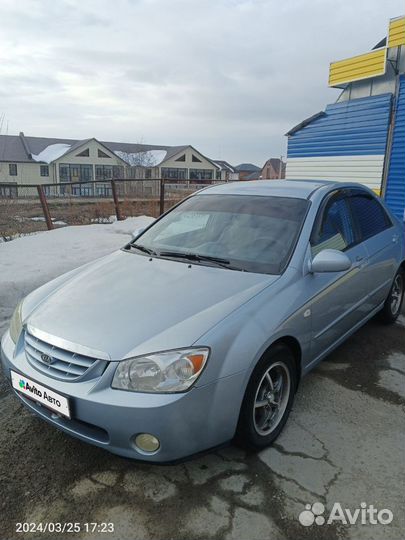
360,262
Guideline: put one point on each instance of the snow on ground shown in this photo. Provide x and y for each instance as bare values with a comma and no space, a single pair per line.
51,152
30,261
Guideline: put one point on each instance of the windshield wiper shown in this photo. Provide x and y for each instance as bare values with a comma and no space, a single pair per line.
197,258
142,248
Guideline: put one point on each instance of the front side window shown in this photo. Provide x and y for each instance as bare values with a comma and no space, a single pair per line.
252,233
335,230
12,169
369,214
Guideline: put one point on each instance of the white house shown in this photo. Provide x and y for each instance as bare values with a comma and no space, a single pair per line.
40,160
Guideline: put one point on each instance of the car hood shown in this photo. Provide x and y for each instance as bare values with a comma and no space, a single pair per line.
127,304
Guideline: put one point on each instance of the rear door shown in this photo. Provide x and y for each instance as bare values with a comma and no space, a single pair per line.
381,240
338,297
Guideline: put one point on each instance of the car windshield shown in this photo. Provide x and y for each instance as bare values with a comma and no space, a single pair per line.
241,232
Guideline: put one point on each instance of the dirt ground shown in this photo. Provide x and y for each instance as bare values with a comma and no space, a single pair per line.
344,442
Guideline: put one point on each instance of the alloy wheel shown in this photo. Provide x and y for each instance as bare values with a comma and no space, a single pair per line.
271,398
396,294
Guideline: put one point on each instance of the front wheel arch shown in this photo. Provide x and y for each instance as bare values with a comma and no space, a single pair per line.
293,344
245,435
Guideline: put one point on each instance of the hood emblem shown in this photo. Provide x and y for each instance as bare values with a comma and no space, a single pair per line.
46,359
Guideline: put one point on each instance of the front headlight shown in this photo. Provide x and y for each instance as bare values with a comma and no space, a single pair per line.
168,371
16,323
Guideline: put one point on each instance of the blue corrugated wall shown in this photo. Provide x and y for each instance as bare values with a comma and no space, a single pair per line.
395,191
351,128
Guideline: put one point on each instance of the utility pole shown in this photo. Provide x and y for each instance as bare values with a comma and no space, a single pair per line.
280,169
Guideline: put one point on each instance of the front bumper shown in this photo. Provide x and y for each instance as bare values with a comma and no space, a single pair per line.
184,423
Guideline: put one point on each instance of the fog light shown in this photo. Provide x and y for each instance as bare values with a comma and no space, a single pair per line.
147,442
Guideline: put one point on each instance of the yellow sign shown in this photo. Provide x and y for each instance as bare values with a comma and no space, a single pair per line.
396,36
364,66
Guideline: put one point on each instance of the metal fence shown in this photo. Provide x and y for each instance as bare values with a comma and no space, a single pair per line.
26,208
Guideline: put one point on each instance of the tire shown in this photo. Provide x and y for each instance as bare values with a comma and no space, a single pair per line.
253,431
393,304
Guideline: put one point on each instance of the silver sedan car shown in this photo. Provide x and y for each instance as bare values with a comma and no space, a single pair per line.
199,330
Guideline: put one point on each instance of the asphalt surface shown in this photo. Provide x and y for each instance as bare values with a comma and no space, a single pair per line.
344,442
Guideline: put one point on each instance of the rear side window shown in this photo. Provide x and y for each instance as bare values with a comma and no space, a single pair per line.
336,228
370,216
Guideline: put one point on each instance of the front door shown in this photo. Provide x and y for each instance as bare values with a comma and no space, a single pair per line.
338,297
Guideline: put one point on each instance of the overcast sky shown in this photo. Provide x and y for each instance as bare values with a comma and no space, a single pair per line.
227,76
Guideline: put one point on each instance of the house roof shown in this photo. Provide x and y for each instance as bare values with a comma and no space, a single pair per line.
254,175
135,148
247,167
274,162
21,148
224,165
305,122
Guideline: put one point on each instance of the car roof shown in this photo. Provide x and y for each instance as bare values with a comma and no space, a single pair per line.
300,189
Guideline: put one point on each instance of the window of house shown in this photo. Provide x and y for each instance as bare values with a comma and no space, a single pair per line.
370,215
64,173
103,190
104,172
118,171
75,173
85,153
182,158
195,159
171,173
8,191
12,169
44,170
102,154
201,174
336,230
83,190
86,173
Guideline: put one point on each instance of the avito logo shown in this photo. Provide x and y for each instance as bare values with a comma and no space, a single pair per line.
367,514
22,384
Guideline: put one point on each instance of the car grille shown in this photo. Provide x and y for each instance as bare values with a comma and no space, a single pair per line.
58,362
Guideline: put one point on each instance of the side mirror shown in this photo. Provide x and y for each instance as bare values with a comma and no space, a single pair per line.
330,260
137,232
